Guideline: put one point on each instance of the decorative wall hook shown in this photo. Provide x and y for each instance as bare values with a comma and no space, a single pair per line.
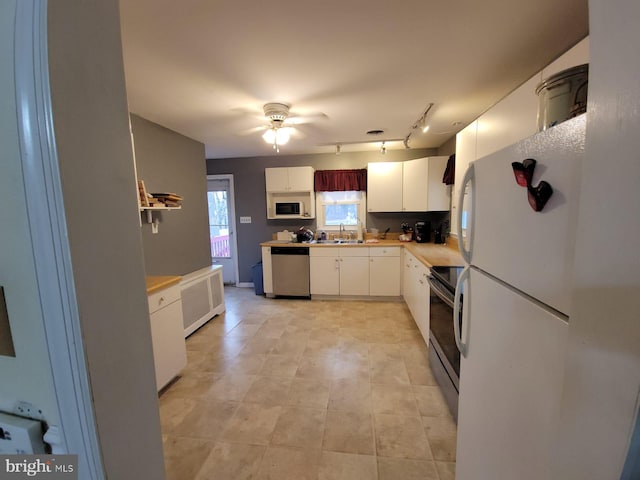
524,171
537,196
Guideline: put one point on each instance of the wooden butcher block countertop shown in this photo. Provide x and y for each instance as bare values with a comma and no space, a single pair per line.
430,254
155,283
436,255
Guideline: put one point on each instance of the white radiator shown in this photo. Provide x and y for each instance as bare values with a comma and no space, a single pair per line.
202,297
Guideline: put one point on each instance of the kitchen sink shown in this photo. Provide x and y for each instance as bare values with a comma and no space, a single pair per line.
341,241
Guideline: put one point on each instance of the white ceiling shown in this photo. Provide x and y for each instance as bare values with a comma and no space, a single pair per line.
205,68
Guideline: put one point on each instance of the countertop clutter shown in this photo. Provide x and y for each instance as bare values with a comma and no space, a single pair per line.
429,254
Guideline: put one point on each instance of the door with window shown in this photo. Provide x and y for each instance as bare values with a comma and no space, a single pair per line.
222,225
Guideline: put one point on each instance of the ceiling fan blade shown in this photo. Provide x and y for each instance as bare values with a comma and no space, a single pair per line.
251,131
303,119
297,131
298,119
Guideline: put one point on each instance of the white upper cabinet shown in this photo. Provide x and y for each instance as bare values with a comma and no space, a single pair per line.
290,184
465,153
384,187
422,187
301,179
289,179
510,120
411,186
578,55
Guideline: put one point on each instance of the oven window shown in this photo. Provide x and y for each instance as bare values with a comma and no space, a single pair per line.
441,330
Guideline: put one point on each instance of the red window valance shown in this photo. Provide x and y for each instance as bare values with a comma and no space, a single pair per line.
340,180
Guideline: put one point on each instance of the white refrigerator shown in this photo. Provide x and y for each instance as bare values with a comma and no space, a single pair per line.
513,300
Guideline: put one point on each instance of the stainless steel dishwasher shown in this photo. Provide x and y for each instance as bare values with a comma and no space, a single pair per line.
290,270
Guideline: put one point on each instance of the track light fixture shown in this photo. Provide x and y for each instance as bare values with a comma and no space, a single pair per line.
338,149
383,149
421,123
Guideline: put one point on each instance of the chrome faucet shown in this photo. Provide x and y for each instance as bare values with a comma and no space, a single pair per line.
341,230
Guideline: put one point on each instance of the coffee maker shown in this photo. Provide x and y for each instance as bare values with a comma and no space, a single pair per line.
423,232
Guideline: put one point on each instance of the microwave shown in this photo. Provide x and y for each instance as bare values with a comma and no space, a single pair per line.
289,208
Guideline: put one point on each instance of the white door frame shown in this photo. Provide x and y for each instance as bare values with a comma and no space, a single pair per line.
232,220
51,251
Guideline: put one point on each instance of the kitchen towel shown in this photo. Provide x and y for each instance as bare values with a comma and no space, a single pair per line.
450,171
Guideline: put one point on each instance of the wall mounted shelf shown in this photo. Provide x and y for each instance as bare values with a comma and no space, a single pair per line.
149,212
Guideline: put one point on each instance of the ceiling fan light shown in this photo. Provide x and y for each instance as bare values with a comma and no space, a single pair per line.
282,136
269,136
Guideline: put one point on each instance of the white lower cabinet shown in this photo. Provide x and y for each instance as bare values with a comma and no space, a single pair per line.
167,334
267,278
324,268
416,292
356,271
384,271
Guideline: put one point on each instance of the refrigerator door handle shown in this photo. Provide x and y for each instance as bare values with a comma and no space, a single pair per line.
468,178
457,310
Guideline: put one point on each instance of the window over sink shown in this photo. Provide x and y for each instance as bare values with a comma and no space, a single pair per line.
336,208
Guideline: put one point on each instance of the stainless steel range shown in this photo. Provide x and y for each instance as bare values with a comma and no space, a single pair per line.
444,356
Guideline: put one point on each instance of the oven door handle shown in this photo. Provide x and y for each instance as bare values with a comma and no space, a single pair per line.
463,347
435,286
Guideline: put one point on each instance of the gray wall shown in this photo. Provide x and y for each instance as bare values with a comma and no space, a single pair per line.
448,148
97,172
250,196
170,162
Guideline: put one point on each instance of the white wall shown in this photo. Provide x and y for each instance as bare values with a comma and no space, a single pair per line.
602,379
27,377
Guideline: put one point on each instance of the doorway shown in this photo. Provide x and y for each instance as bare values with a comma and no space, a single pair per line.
222,227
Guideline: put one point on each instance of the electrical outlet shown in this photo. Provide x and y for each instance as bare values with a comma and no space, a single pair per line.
20,435
245,219
25,409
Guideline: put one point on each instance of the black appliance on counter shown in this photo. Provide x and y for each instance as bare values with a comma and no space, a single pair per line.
423,232
444,355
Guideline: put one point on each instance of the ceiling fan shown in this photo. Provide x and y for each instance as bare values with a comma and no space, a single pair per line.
279,132
281,125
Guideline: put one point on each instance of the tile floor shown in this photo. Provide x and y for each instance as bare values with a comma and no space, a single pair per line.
297,389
